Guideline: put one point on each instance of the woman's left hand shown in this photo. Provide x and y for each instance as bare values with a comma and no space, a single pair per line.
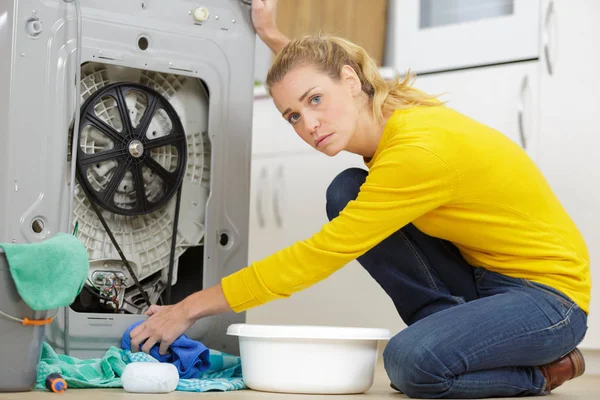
165,325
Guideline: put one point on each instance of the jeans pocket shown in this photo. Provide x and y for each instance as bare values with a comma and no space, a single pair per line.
561,297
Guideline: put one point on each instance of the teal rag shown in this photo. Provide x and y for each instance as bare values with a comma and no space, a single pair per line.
49,274
104,372
224,374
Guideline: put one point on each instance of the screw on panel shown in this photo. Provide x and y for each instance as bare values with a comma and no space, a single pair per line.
216,17
143,5
16,186
233,20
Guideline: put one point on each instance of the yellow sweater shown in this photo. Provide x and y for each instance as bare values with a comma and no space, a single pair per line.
455,179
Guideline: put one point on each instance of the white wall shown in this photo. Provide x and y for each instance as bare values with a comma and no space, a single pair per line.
262,60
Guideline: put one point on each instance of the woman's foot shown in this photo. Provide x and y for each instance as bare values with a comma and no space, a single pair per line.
568,367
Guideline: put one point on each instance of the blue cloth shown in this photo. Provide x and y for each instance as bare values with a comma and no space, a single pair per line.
472,332
189,356
224,373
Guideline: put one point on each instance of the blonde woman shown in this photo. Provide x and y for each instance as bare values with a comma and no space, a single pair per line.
451,218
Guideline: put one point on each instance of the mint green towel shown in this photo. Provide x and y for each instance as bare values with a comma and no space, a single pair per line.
49,274
102,372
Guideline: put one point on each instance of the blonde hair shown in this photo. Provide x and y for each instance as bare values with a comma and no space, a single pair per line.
330,53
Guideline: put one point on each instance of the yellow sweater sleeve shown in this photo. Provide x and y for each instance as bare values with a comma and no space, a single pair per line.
404,183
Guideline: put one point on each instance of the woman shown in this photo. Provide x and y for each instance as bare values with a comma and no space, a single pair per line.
453,220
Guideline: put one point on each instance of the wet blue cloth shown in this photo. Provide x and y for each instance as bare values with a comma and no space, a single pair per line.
189,356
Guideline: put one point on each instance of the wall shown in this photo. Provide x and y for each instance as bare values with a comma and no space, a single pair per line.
262,60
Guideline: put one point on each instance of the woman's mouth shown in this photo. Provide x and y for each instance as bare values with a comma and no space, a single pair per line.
322,140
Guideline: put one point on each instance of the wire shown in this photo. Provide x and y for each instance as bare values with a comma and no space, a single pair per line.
173,245
103,297
21,320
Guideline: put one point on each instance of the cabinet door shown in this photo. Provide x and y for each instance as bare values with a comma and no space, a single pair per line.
570,123
262,229
503,97
262,134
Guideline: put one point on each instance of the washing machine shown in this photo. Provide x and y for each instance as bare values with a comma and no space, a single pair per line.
128,124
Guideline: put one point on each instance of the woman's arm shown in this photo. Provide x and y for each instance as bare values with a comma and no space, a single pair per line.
405,183
263,18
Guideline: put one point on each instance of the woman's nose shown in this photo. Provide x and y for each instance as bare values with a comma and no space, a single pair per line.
311,125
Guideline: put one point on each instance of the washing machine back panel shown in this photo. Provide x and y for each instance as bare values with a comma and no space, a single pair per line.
34,136
38,85
38,43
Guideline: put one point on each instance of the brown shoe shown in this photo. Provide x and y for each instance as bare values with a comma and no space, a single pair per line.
568,367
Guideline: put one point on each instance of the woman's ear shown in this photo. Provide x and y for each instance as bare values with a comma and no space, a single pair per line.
351,80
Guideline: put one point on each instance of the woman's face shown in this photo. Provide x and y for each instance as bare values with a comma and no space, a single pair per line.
321,110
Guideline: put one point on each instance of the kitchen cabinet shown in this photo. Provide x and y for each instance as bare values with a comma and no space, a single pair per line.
504,97
265,233
570,124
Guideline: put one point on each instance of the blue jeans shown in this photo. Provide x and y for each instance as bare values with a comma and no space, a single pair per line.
471,333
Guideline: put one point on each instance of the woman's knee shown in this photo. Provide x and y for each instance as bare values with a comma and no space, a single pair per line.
414,368
343,189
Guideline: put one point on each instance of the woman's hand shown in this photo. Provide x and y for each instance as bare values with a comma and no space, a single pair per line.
263,16
165,325
264,21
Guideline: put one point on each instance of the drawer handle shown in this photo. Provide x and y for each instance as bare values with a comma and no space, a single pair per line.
521,111
547,55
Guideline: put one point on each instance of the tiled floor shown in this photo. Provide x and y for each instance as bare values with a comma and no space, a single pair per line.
586,387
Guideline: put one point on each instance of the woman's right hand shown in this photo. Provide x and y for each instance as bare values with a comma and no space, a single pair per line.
265,24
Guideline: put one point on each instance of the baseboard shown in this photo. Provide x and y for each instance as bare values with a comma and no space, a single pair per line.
592,359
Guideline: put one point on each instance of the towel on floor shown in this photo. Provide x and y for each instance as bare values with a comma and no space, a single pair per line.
49,274
224,374
189,356
102,372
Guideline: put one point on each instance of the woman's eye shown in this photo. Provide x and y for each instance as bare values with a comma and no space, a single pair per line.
293,118
316,100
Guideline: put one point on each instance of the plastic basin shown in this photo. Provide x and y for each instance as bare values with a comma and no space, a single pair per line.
308,359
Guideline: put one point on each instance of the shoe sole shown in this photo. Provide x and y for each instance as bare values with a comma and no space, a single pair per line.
578,362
